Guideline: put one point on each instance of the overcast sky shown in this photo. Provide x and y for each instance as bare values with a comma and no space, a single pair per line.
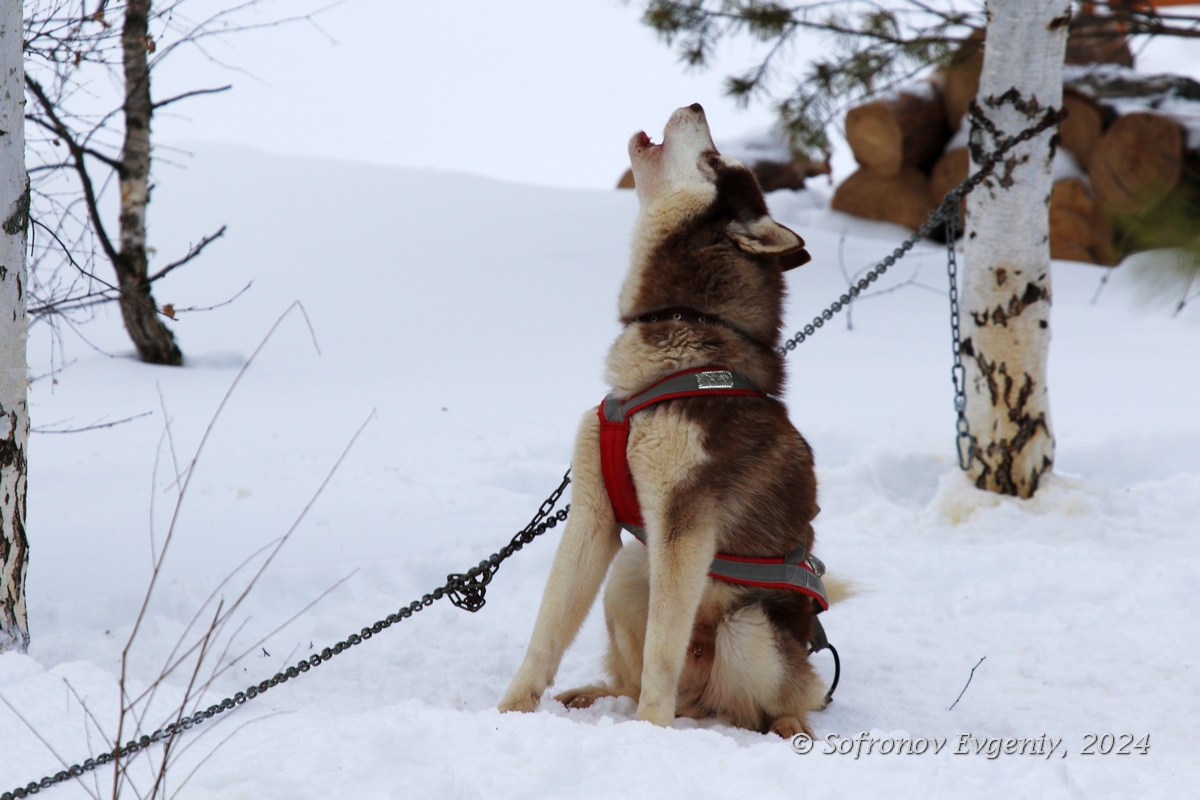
536,91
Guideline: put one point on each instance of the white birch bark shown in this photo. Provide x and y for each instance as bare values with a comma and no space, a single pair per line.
1006,283
14,410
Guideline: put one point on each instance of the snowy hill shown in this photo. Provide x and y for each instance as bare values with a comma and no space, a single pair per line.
473,316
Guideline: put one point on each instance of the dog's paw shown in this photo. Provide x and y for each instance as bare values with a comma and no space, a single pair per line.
656,713
789,726
521,699
584,696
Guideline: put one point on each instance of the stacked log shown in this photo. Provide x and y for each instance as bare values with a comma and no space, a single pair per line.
949,171
903,197
1135,166
775,175
894,141
905,130
1073,222
960,79
1138,162
1080,132
1097,40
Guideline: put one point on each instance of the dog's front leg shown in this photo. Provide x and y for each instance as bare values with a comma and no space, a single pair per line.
589,543
679,563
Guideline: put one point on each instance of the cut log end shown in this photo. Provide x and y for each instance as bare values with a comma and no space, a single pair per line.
1137,163
1080,132
908,129
903,198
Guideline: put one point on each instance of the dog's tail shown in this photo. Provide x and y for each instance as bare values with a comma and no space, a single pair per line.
839,589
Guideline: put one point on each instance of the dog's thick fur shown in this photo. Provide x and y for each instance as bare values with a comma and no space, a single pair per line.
712,474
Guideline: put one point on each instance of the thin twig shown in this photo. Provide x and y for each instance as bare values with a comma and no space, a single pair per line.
146,698
99,729
157,571
964,689
1183,297
845,277
221,744
1100,286
240,292
45,743
96,427
284,539
281,626
46,308
162,403
192,253
53,372
187,693
192,93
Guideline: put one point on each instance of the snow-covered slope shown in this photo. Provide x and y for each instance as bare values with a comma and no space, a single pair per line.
472,317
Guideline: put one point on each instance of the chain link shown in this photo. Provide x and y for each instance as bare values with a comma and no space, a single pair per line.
965,444
467,590
940,216
945,215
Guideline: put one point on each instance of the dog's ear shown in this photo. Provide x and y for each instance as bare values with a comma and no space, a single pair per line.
766,237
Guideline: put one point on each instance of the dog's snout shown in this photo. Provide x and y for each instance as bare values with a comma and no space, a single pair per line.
696,107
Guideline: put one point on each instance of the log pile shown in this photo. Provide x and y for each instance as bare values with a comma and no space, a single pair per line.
1127,133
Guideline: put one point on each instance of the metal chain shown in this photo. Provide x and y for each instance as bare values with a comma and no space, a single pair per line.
938,217
965,444
467,590
946,214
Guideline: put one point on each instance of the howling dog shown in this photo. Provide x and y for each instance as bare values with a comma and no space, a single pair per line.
712,612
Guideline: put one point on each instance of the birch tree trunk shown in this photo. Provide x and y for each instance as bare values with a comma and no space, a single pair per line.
154,341
14,409
1006,284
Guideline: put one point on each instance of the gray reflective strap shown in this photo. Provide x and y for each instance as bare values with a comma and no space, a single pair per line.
612,409
615,409
791,572
637,530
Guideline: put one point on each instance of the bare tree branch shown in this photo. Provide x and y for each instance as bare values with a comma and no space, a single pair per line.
77,154
95,427
192,93
192,253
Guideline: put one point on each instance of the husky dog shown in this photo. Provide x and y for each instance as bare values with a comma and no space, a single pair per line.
713,475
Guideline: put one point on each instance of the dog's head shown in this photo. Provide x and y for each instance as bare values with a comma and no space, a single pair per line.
686,177
704,237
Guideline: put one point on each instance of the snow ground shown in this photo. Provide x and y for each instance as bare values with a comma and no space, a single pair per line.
472,318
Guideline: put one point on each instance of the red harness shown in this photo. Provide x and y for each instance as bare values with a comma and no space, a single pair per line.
796,570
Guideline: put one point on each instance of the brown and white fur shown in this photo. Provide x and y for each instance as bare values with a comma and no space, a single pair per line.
712,474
